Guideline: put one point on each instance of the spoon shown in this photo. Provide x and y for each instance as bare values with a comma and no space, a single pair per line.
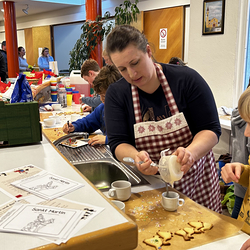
131,160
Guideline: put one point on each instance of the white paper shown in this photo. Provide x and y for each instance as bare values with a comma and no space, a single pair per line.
89,212
47,185
40,220
9,176
53,66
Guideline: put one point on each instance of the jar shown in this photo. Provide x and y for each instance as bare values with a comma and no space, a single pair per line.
62,97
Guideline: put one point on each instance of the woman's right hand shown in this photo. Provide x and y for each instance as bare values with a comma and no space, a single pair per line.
231,172
68,129
145,167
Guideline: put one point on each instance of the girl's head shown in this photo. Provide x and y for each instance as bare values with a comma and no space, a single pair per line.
45,51
124,35
244,105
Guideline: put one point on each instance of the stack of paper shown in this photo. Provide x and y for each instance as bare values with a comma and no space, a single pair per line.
47,185
50,222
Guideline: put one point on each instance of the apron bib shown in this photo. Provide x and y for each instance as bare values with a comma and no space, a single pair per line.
201,182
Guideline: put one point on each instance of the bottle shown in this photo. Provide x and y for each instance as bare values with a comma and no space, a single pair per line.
62,97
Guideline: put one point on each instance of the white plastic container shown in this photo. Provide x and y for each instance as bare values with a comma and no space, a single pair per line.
80,84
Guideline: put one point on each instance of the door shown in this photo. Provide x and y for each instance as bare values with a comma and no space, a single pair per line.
173,20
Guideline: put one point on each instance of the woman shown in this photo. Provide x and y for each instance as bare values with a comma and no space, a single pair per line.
44,59
23,65
154,108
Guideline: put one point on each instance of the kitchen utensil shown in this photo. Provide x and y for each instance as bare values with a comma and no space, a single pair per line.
131,160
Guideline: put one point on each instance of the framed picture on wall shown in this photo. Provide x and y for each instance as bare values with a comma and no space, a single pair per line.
213,17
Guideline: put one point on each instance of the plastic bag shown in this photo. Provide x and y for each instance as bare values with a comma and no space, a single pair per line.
22,91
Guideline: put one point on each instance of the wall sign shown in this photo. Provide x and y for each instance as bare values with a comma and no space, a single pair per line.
163,38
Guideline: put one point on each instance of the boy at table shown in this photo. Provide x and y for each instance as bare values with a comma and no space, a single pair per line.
240,173
108,74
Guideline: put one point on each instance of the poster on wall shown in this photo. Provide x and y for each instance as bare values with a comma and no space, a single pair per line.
163,38
213,17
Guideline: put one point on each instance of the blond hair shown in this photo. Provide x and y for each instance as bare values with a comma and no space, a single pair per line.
244,105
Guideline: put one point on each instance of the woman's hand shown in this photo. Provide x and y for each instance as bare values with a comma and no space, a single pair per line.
185,158
98,139
231,172
246,245
68,129
145,167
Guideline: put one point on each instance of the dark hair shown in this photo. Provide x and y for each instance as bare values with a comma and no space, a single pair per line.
88,65
176,60
20,48
3,43
123,35
107,75
44,50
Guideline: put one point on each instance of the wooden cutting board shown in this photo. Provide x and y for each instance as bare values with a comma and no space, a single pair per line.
146,210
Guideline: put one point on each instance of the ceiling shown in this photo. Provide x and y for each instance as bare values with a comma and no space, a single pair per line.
36,7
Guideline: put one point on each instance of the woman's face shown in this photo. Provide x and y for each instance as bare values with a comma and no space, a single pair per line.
45,52
134,65
22,52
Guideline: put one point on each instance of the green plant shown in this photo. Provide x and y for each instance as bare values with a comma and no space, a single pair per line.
95,31
126,13
92,33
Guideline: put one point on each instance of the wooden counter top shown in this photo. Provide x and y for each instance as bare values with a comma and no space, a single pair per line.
146,210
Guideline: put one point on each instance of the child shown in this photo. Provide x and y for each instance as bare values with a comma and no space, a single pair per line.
240,173
89,71
95,120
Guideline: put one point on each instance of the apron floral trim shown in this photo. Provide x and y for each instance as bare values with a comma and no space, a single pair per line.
165,126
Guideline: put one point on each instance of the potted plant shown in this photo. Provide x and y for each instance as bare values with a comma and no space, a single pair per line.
95,31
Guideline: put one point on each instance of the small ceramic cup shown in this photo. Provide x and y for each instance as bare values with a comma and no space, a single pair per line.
171,201
120,190
119,204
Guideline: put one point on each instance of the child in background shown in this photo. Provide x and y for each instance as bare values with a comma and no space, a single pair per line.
89,71
240,173
108,74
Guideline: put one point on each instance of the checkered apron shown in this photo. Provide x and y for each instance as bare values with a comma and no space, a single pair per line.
201,182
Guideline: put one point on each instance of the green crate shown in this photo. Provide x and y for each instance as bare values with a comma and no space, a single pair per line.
20,123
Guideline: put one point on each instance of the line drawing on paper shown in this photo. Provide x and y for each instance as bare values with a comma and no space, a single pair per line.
37,224
42,187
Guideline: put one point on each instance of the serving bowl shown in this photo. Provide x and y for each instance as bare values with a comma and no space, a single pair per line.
56,106
56,117
49,122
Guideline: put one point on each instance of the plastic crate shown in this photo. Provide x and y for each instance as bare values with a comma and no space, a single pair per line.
20,123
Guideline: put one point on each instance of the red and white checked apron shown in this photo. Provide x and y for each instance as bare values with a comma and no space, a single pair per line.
201,182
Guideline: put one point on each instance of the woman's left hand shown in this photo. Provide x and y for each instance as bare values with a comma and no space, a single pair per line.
145,167
185,158
98,139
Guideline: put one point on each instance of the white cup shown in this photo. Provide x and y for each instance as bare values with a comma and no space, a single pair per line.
171,201
49,122
74,117
120,190
56,117
119,204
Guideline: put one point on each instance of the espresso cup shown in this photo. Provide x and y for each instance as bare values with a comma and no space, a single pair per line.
171,201
120,190
119,204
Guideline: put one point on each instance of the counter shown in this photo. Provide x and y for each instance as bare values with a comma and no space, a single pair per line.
111,229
